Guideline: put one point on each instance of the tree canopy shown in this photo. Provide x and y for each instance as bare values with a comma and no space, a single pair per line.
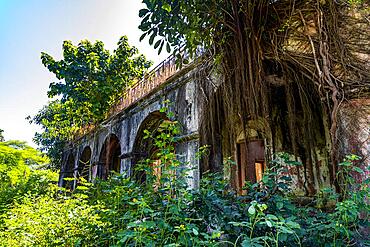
90,80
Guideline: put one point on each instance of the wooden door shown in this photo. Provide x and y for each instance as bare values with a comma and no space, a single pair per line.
250,162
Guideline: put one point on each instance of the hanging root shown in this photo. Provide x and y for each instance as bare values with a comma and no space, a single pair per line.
320,46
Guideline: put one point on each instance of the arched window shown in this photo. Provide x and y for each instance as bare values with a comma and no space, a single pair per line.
145,148
84,164
109,159
69,172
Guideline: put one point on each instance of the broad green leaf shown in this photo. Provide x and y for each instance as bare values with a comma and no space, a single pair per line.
268,223
142,36
166,7
358,169
251,210
143,12
151,39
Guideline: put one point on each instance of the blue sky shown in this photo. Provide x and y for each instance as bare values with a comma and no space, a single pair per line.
28,27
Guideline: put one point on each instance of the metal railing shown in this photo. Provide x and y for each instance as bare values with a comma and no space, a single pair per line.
152,80
142,88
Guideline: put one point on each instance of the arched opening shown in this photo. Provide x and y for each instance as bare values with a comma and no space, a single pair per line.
84,164
69,172
109,159
145,148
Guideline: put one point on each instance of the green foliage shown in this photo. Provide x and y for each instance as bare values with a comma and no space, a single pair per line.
33,210
157,212
171,214
59,123
91,79
181,23
1,135
20,169
356,2
45,221
165,211
344,223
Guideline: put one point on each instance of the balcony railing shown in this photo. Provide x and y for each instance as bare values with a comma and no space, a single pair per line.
142,88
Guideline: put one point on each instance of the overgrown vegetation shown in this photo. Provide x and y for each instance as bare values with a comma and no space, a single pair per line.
20,173
33,212
302,40
166,211
91,79
315,53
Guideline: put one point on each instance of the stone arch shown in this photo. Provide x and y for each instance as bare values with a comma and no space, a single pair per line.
110,157
84,163
69,170
144,148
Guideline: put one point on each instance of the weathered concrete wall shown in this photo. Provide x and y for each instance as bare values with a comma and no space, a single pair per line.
180,91
354,132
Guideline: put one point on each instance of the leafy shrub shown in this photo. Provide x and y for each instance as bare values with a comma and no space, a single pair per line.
20,173
344,225
33,210
46,221
164,211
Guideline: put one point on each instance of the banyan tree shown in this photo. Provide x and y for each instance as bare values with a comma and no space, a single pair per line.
276,75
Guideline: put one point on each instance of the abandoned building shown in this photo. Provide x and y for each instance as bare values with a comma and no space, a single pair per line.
118,143
294,110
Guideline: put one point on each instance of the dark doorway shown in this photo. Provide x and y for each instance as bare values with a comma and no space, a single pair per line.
145,148
84,164
69,172
109,159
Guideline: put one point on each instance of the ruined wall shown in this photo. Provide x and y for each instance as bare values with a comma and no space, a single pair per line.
288,127
179,90
354,132
304,135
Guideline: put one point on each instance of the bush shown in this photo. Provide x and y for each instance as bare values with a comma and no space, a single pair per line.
165,211
33,210
46,221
